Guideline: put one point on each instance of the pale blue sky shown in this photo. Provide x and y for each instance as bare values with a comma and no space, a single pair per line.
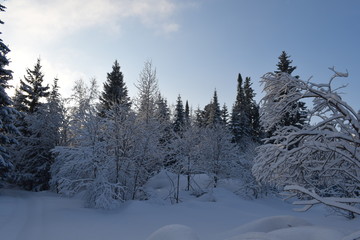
196,45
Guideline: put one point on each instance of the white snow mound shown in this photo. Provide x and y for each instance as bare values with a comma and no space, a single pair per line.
306,232
269,224
173,232
254,236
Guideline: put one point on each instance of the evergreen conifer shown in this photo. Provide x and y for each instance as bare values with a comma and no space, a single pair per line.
7,113
115,90
179,116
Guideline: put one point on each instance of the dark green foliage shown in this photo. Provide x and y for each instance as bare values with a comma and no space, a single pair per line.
187,114
7,113
40,124
239,118
199,117
211,115
251,110
41,133
284,64
295,118
162,112
179,116
224,115
31,91
115,91
245,113
214,112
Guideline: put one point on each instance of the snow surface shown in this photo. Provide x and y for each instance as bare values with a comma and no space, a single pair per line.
216,215
174,232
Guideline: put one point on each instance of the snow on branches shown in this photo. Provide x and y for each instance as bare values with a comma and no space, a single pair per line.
323,154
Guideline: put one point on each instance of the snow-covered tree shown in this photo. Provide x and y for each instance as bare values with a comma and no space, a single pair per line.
298,114
7,112
323,155
32,155
214,115
185,152
240,121
87,167
211,115
219,154
56,115
284,64
179,116
251,110
187,114
31,91
147,92
90,163
224,115
115,90
162,111
151,130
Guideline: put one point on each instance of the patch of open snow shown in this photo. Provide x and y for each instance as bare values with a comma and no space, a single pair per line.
174,232
45,215
253,236
307,233
269,224
287,227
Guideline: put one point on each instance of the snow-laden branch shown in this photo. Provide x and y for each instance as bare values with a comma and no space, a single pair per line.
339,203
323,154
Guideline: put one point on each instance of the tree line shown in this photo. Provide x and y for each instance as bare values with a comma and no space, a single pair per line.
106,145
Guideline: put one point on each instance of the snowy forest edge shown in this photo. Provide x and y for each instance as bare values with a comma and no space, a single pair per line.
106,145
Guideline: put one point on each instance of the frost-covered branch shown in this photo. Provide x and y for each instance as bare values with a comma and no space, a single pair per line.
340,203
325,153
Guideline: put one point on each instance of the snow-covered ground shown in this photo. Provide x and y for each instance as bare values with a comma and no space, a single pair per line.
218,215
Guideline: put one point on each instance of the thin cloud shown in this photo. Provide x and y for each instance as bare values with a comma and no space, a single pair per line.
50,20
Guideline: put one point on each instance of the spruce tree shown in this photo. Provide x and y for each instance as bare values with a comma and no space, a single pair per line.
199,117
162,112
7,113
214,112
187,113
28,96
284,64
224,115
296,118
239,118
179,116
32,155
56,115
211,115
115,90
251,110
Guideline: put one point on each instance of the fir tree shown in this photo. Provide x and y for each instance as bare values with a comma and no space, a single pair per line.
214,112
115,91
31,91
199,117
162,112
284,64
239,118
179,116
56,114
297,117
187,113
251,109
224,115
211,115
7,113
32,155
